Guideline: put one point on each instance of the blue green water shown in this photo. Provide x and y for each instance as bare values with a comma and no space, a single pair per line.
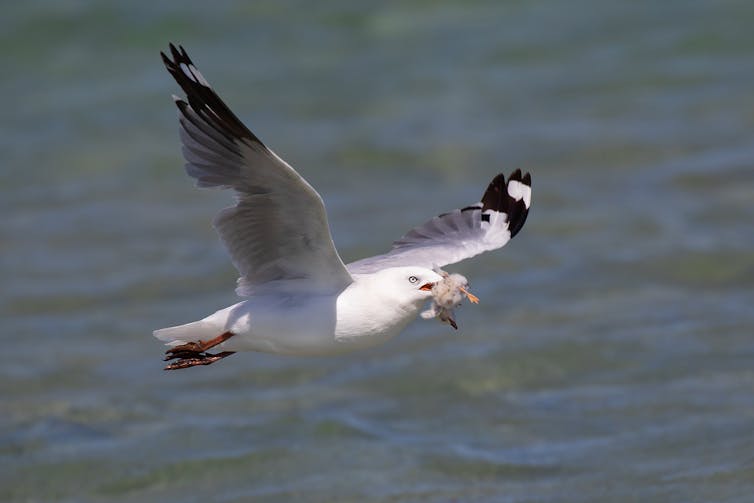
610,358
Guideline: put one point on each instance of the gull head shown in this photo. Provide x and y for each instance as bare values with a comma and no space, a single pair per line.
410,285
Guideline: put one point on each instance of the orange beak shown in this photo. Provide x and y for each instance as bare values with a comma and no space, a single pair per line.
472,298
426,287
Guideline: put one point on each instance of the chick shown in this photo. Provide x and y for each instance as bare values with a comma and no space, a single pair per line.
447,294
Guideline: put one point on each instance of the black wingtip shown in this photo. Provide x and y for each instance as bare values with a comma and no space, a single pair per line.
169,63
175,52
513,199
177,56
202,98
491,197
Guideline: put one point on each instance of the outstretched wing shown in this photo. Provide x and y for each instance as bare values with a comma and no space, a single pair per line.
278,232
462,233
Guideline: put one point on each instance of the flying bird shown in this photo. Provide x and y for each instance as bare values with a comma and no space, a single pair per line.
299,296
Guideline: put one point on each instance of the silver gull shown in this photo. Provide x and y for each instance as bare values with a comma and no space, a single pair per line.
300,298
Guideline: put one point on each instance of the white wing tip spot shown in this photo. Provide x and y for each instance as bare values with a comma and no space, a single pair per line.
518,191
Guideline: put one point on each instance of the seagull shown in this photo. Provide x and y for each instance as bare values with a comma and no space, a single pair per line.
299,296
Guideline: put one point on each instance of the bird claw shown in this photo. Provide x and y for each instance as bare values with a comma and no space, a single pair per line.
472,298
192,354
184,351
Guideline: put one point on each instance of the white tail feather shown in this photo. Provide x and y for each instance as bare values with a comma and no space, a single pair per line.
190,332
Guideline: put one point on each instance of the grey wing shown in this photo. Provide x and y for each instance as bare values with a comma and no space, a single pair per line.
462,233
278,231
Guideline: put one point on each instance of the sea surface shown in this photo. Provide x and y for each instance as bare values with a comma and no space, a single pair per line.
611,358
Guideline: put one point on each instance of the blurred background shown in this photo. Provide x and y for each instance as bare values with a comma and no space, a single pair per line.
610,358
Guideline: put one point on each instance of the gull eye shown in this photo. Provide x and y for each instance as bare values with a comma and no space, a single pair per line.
413,279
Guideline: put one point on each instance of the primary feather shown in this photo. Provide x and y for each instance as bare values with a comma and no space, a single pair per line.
461,233
277,233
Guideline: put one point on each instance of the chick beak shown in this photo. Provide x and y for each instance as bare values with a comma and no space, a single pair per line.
427,287
472,298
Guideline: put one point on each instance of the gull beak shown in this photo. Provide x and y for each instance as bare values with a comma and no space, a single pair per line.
427,287
472,298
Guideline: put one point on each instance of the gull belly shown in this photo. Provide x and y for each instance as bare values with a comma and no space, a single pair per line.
311,325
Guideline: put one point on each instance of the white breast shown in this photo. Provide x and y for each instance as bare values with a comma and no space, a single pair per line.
361,316
367,316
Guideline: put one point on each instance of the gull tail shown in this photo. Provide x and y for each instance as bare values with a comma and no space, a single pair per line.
190,343
190,332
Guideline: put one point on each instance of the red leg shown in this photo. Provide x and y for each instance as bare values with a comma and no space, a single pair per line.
194,353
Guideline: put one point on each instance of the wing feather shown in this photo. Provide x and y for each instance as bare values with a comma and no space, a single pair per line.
277,234
461,233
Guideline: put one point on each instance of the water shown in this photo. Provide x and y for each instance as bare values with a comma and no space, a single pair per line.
609,360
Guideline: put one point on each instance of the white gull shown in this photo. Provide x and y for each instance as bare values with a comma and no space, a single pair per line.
301,299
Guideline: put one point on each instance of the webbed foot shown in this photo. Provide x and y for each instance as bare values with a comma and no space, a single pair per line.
192,354
188,359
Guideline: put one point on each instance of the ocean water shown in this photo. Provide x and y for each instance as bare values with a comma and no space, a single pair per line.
610,358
